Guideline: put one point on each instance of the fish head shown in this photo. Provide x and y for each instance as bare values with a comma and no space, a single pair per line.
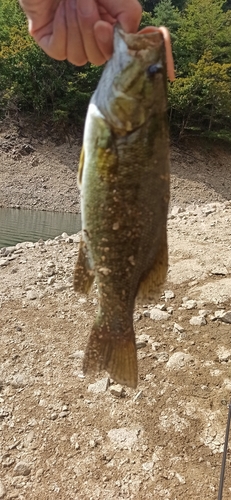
134,82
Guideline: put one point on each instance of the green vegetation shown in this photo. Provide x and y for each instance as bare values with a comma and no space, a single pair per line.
199,98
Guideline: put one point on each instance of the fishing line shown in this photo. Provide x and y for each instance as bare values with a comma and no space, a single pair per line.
224,455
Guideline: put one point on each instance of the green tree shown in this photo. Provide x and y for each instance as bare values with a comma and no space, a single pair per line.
146,20
203,98
32,81
204,27
148,5
165,14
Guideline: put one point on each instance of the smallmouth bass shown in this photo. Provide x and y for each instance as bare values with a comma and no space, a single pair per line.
124,180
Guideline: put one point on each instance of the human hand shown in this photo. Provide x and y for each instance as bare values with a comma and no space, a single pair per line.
79,30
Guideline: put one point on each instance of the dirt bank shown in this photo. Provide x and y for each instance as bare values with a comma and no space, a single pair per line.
40,173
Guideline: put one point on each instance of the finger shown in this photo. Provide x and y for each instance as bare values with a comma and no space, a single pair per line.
104,38
88,15
52,37
105,16
127,13
75,49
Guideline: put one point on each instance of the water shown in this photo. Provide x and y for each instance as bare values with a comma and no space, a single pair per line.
31,225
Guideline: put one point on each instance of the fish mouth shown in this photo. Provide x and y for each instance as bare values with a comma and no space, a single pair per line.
142,40
150,36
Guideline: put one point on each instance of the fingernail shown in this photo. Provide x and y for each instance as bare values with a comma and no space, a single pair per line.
86,7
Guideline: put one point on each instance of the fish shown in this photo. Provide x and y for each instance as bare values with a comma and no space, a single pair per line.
123,177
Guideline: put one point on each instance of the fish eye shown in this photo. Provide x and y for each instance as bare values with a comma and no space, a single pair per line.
154,68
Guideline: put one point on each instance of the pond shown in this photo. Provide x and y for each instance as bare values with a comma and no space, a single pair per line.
21,225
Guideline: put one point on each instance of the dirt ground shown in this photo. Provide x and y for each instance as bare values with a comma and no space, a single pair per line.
68,437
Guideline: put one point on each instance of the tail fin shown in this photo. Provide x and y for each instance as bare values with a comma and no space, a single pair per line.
114,353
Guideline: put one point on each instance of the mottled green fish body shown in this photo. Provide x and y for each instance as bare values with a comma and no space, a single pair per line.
124,181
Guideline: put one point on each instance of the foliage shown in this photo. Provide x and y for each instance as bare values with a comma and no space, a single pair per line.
199,99
31,80
165,14
146,20
204,27
203,98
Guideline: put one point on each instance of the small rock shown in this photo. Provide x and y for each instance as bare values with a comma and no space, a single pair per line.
220,271
4,262
26,149
178,328
3,413
138,395
77,354
162,357
198,321
35,162
226,317
147,466
223,354
140,344
39,473
156,345
74,441
31,295
7,461
169,294
137,316
180,478
116,390
21,469
219,313
204,312
162,307
178,360
146,313
189,304
176,210
124,438
2,490
9,250
18,381
54,416
92,443
63,414
100,386
158,315
144,337
28,438
51,280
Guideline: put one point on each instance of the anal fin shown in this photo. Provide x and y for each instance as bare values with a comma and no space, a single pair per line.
83,274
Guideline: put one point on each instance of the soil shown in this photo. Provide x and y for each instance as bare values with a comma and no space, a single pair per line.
67,436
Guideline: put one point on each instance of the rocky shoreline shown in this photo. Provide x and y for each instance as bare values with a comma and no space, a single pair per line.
86,437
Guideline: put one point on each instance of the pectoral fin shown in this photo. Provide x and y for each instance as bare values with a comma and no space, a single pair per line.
151,284
83,275
80,169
